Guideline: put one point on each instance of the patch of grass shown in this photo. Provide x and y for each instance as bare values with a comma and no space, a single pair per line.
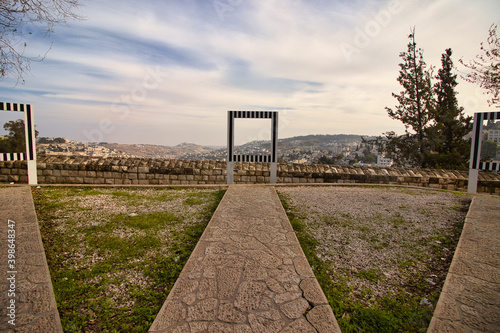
113,275
397,219
372,275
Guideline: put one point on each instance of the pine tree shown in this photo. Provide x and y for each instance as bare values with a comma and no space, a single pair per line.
446,135
415,103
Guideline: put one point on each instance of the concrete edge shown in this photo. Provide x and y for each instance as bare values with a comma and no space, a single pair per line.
56,317
441,306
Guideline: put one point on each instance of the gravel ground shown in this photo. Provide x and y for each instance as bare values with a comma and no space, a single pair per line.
87,217
378,239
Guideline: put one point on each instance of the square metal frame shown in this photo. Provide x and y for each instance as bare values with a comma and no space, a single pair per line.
475,163
232,157
29,134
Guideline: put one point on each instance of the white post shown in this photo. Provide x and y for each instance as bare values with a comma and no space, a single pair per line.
475,152
273,172
230,173
473,177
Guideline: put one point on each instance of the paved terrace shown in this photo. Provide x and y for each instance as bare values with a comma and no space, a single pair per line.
247,274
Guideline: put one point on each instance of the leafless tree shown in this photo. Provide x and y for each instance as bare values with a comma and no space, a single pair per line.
485,69
18,20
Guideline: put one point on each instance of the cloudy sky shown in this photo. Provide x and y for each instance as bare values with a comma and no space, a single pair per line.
166,72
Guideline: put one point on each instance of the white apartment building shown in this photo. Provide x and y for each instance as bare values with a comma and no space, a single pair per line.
494,135
383,161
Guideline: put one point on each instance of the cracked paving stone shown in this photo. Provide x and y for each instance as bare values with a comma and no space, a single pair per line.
295,309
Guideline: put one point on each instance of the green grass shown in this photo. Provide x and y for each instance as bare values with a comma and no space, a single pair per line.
95,267
396,312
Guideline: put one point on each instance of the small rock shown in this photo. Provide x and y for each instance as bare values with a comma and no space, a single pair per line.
431,282
425,301
132,214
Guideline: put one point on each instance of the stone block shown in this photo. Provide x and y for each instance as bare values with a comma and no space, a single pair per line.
99,181
88,180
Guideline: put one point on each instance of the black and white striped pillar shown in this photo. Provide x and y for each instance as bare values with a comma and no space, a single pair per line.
475,163
29,130
232,157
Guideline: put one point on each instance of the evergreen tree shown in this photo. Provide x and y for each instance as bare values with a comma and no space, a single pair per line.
416,104
446,135
15,139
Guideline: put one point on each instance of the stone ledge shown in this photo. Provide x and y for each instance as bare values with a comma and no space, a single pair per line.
57,169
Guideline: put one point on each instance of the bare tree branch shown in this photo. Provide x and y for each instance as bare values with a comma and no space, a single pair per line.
18,19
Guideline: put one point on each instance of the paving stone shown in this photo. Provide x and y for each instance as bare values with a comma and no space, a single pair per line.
266,322
249,295
254,271
198,326
312,291
299,326
322,319
302,267
228,279
295,309
228,328
171,313
265,259
183,287
207,288
228,313
203,310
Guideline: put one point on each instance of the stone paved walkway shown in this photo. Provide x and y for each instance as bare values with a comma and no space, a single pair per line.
470,300
26,295
247,274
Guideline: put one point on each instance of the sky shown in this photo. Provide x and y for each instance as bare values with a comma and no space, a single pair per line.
167,72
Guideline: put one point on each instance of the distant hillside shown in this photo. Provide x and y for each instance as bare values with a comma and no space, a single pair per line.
319,141
158,151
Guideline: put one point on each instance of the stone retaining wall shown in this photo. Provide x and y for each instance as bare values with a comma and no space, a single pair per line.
56,169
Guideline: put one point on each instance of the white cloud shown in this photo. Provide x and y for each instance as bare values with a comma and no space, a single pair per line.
266,54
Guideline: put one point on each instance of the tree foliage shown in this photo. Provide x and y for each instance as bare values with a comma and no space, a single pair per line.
485,69
435,125
15,141
450,125
415,101
21,18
